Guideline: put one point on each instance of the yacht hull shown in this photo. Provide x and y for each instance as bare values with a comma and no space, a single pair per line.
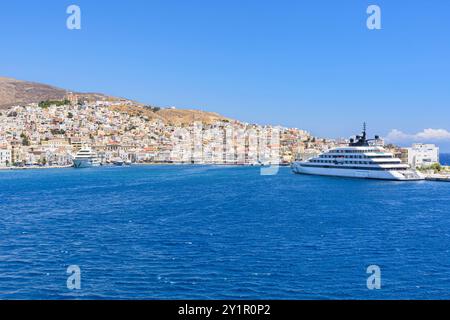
395,175
85,163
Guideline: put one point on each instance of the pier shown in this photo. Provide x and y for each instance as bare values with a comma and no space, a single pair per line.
438,177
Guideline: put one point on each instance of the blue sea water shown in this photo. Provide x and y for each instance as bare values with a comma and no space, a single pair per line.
206,232
445,159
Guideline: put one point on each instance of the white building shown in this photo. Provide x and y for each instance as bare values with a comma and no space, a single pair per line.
423,155
5,157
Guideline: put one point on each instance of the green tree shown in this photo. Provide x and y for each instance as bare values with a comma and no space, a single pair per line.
47,103
436,167
25,140
57,131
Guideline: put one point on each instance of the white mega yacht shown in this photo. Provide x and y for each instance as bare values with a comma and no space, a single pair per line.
359,160
86,158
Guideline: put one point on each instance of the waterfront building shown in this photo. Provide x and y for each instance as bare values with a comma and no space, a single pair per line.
423,155
5,157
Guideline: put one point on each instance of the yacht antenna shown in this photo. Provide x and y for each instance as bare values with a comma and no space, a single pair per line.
364,130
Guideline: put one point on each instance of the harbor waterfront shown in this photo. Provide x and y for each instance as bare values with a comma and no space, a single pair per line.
206,232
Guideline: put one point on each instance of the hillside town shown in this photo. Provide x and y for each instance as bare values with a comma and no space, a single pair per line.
50,133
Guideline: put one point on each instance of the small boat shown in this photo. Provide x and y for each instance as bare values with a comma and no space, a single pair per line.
118,162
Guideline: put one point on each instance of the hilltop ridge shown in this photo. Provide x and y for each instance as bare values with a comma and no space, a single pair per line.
17,92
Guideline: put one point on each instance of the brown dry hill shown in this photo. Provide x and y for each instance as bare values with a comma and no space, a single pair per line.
17,92
178,116
172,116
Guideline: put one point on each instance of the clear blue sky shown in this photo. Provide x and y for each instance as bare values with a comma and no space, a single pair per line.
307,64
